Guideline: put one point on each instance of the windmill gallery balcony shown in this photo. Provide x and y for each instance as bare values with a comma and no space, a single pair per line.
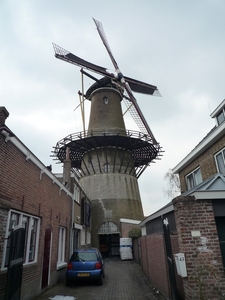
143,150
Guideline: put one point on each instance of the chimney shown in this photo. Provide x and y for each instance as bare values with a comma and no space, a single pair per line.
3,115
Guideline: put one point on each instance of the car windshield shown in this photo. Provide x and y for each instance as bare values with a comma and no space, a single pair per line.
84,256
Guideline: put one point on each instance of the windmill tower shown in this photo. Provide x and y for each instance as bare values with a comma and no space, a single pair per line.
107,157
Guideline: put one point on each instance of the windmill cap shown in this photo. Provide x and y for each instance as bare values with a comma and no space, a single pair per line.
101,83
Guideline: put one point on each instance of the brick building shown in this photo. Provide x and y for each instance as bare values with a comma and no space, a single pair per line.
53,217
196,222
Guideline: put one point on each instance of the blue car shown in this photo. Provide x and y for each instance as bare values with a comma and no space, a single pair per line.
85,265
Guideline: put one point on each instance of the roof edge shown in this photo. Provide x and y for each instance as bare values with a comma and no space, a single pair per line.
201,147
30,156
164,210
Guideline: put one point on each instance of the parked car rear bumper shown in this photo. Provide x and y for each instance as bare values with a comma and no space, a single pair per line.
79,275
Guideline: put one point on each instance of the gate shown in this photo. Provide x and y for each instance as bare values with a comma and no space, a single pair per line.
170,261
15,264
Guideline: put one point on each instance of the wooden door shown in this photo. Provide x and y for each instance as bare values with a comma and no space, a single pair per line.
46,260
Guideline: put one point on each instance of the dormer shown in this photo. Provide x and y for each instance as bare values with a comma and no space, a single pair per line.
219,113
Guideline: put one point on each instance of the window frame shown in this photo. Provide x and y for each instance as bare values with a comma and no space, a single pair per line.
82,237
222,151
220,113
193,174
76,193
61,247
20,220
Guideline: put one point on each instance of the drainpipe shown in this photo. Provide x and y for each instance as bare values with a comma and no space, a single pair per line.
67,183
72,230
67,169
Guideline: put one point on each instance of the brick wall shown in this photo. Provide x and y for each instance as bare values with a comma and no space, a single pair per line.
153,261
22,187
197,238
206,161
125,228
205,274
143,255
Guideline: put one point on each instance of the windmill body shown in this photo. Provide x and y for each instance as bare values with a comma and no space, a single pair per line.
111,182
109,158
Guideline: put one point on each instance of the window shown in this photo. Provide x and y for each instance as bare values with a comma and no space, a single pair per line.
220,161
61,245
220,117
194,178
76,193
107,168
105,100
31,225
107,228
82,237
33,239
88,238
84,256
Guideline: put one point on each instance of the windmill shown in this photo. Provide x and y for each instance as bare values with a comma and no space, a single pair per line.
107,157
129,84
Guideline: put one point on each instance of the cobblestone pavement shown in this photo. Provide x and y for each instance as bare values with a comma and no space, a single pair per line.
124,280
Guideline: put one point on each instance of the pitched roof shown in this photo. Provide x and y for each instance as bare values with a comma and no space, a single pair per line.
211,188
215,134
212,136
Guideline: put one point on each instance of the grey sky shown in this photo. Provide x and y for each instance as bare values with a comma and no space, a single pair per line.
177,45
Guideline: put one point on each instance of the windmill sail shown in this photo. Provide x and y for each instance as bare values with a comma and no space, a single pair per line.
136,85
136,112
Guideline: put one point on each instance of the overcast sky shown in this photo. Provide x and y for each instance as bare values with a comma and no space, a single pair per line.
179,46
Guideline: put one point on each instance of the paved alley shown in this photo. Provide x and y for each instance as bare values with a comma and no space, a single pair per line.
124,280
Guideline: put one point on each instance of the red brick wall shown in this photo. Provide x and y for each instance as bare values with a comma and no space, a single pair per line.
203,256
153,261
125,228
22,188
143,255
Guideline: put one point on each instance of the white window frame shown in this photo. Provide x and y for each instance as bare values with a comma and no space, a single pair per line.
192,175
82,237
88,237
61,248
76,193
29,229
221,152
221,112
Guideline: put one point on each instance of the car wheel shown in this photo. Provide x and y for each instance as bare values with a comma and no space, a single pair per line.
100,281
68,283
